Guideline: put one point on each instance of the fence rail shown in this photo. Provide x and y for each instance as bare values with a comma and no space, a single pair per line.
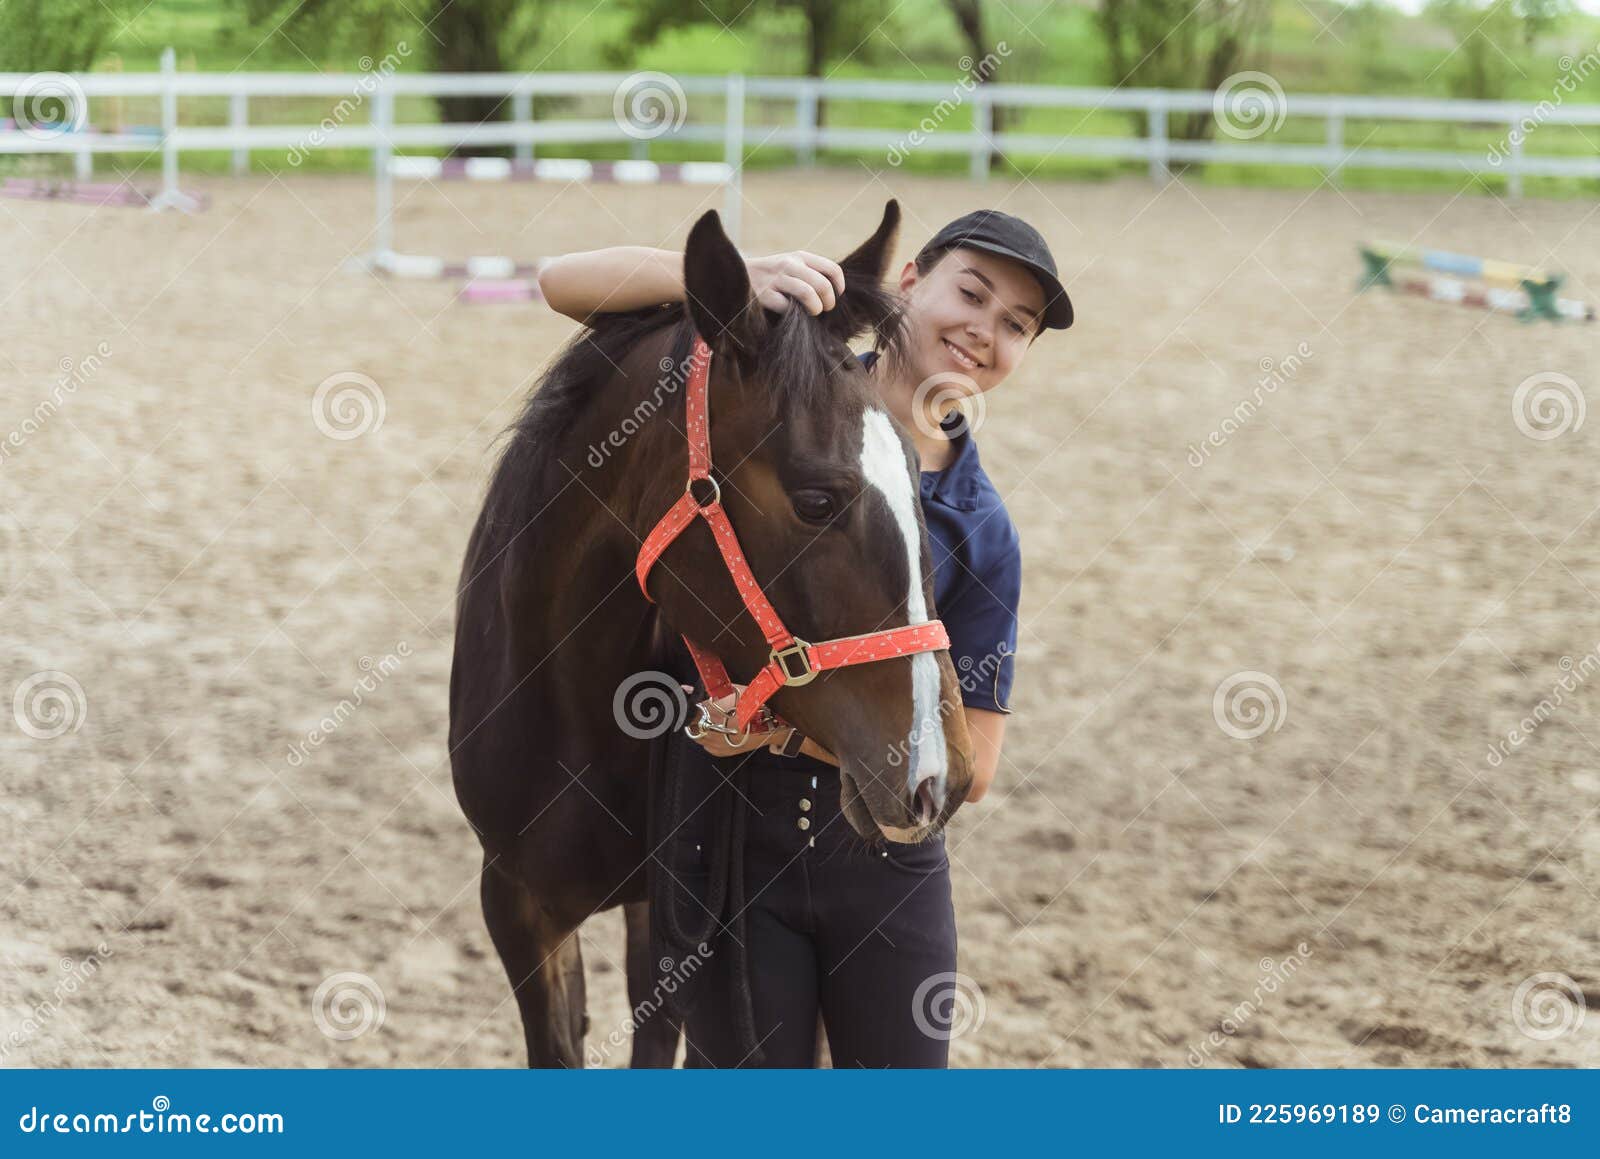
375,128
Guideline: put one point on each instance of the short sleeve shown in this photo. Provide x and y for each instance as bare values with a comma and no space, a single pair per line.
982,622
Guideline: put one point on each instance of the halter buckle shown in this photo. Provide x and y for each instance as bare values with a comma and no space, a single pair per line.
796,651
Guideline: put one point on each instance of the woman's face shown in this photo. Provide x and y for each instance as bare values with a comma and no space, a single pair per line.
972,314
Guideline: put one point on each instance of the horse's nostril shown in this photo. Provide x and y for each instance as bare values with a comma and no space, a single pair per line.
929,801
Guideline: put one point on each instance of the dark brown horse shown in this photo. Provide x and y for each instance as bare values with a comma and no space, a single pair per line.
553,636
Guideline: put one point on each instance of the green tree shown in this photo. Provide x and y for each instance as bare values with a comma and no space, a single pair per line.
54,35
1181,44
1480,65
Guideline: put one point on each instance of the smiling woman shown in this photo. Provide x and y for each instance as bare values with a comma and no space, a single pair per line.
763,873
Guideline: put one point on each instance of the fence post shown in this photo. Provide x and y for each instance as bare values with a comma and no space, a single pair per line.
382,119
522,114
1157,116
733,155
983,130
1335,147
83,159
170,196
239,118
805,119
1514,162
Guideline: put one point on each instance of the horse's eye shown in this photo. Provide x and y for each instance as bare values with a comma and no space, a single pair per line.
814,506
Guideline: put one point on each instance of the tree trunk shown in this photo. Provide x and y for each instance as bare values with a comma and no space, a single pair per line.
469,30
969,18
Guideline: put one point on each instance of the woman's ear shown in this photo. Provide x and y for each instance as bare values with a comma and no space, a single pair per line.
717,293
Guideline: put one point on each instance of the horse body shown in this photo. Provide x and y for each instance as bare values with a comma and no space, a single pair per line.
551,624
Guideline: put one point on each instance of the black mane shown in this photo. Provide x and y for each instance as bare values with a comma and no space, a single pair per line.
799,355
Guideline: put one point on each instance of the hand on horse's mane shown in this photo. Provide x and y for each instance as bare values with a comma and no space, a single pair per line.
797,276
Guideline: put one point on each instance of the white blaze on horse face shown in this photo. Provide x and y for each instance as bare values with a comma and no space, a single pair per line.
883,465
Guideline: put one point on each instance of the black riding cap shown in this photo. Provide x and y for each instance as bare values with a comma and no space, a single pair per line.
1005,236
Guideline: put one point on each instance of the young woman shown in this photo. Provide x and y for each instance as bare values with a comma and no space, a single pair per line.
864,936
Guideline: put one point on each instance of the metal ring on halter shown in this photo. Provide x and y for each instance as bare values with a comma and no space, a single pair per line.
699,729
716,491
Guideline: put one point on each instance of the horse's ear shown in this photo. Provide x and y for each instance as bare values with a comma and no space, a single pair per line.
717,292
865,304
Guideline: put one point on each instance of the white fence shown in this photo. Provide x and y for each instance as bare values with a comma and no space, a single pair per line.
375,128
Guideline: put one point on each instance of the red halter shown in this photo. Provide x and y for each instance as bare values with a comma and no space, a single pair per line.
793,661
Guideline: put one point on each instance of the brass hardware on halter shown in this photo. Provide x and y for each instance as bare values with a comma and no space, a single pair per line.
797,650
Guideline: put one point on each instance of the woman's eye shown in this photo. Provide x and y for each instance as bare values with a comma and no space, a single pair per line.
971,297
814,506
1016,327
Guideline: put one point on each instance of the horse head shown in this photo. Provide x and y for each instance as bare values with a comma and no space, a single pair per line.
821,485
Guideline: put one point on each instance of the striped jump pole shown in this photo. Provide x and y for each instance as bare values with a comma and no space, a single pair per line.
390,167
1462,279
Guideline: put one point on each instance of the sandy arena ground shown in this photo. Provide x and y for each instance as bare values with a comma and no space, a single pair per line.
1358,885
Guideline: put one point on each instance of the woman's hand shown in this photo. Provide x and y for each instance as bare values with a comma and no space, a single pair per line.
721,710
815,282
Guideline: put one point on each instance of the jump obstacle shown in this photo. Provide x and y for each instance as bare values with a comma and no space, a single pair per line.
1441,276
505,279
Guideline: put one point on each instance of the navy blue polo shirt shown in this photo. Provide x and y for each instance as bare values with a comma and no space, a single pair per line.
977,568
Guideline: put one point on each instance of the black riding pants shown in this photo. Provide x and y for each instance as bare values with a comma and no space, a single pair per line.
864,936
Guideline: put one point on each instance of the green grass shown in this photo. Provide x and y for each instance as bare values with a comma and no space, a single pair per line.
1315,47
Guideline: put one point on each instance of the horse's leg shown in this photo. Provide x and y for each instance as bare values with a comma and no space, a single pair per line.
544,966
655,1039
